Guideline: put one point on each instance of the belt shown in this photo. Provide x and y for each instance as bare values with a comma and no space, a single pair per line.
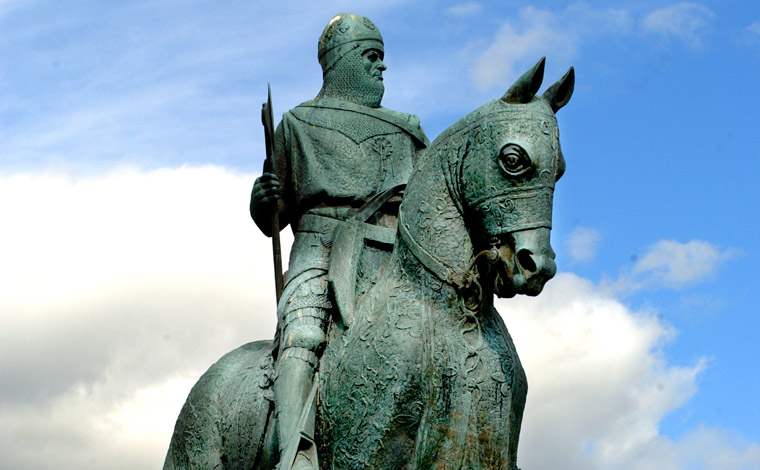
317,223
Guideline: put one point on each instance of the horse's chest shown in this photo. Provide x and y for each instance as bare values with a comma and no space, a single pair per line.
371,386
476,389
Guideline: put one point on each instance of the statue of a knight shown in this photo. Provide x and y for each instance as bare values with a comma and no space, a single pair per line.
334,156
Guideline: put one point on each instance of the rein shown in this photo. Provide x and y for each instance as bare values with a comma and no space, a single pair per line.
460,281
440,270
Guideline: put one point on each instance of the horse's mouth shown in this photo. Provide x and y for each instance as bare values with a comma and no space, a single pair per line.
521,273
504,286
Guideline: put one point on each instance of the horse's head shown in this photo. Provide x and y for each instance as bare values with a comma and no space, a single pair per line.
505,175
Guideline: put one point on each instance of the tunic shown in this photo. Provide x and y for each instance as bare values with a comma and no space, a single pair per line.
331,156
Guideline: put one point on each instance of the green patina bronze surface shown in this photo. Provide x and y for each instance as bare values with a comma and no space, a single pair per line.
389,352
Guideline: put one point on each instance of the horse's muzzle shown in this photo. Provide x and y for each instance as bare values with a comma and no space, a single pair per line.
526,263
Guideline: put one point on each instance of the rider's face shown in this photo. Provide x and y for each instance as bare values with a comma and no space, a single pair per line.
358,75
372,59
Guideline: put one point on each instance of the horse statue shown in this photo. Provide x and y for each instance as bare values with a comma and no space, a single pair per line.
424,373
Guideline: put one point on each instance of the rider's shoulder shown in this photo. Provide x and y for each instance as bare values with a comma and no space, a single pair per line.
412,119
410,123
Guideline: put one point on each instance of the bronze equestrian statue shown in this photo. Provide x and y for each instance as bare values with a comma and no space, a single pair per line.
415,367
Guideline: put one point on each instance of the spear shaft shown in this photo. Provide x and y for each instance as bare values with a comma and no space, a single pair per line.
268,121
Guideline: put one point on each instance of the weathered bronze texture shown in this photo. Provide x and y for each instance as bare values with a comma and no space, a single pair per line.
390,353
267,120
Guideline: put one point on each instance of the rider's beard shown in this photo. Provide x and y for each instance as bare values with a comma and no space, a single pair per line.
349,80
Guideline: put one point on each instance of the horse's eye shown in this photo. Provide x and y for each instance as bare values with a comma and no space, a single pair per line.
514,160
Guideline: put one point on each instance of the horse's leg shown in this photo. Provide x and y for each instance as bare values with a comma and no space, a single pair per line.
514,389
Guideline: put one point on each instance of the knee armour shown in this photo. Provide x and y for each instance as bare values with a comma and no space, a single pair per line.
310,337
306,314
305,330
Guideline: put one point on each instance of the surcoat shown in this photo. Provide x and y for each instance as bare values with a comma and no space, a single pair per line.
331,157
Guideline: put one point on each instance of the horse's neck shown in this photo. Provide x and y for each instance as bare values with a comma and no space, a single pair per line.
433,220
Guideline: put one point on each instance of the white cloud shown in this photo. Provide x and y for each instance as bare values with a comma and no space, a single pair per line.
118,290
671,264
582,243
713,449
9,6
684,21
536,33
94,426
599,386
559,35
464,9
678,264
751,34
147,82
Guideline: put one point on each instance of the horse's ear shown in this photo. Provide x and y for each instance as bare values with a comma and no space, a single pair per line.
526,87
559,94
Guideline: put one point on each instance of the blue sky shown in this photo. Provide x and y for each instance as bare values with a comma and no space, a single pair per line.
130,136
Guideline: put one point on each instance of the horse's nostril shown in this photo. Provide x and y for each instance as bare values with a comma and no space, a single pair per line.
525,258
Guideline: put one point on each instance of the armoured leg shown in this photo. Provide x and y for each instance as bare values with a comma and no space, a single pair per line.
294,381
302,342
295,373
